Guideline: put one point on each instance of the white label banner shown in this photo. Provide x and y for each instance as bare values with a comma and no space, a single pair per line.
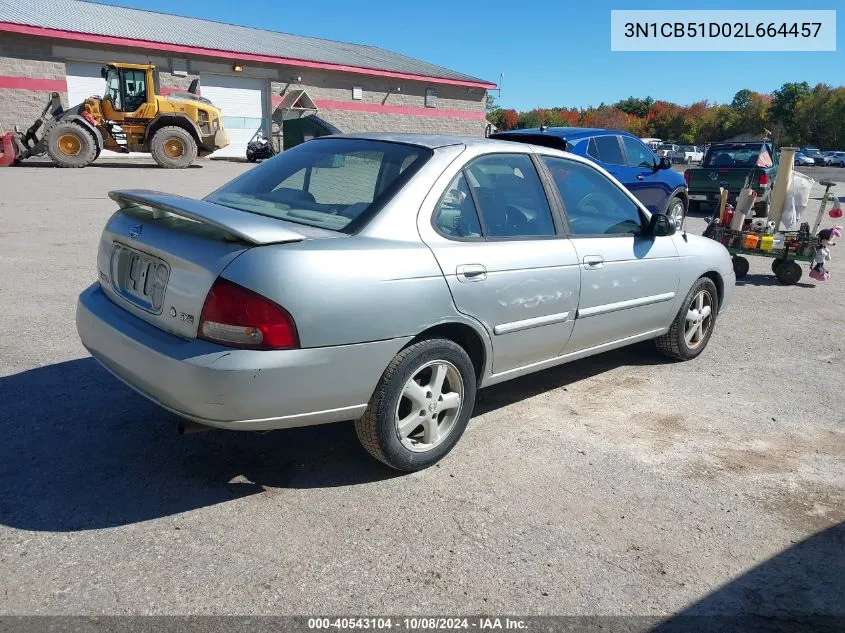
712,30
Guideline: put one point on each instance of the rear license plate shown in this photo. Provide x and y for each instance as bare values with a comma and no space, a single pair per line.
138,277
697,196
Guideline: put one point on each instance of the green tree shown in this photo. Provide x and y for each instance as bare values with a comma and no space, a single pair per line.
782,111
742,99
490,104
634,106
819,118
529,120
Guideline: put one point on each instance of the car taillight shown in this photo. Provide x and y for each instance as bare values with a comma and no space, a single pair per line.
763,180
686,177
238,317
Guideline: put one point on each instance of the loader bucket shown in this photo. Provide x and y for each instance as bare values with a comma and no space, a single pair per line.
8,149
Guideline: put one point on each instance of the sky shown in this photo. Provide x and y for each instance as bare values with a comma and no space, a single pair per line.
552,53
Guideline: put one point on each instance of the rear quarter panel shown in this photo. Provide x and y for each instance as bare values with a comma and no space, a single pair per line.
350,290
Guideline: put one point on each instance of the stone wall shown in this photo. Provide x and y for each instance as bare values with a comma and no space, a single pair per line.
382,102
168,82
29,58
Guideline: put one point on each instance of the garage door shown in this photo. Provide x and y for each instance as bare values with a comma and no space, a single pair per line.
241,101
83,81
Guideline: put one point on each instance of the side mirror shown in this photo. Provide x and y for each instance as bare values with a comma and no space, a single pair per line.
660,226
664,163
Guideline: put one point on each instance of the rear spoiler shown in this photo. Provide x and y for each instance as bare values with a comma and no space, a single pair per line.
240,225
544,140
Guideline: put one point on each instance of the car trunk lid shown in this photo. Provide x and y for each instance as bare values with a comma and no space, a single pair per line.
160,254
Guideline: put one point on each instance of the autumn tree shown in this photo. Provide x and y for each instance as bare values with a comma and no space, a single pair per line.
503,119
796,113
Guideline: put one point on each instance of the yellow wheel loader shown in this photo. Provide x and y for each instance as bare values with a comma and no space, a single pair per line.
130,117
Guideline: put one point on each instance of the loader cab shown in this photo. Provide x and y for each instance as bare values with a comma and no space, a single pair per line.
129,92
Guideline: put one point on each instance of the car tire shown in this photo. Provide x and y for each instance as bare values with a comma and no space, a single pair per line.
687,337
675,211
70,145
173,147
411,427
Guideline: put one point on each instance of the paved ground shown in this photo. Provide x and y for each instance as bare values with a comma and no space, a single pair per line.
620,484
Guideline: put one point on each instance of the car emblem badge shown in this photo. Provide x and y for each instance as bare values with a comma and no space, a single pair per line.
432,407
135,231
172,311
714,176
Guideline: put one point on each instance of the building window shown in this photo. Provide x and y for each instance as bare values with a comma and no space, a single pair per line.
357,93
179,66
430,98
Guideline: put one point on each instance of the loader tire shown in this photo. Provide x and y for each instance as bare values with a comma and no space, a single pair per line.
70,145
173,147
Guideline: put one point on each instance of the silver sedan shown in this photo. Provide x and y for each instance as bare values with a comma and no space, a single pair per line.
384,279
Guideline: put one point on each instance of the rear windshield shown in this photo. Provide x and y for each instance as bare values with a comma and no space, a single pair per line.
737,156
334,184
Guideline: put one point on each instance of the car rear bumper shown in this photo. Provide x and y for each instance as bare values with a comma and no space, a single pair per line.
232,388
713,196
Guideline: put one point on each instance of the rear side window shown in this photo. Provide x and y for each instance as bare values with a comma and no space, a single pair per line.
606,149
510,196
333,183
496,196
638,155
593,204
456,215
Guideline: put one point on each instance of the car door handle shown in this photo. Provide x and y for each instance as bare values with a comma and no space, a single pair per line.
471,272
593,262
640,177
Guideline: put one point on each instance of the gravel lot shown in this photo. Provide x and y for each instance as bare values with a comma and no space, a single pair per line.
620,484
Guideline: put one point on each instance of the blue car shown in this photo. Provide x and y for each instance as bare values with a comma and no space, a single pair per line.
651,179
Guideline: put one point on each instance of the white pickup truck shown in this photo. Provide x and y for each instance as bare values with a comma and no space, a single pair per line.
687,154
665,150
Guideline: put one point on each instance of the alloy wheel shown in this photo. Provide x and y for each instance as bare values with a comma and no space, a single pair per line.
676,213
429,406
699,319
